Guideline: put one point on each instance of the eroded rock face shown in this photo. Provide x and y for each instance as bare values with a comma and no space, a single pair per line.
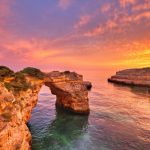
137,77
15,111
14,133
16,105
70,91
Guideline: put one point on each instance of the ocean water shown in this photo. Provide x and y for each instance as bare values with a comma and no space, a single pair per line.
119,120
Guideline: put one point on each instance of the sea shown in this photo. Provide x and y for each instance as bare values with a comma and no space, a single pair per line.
119,119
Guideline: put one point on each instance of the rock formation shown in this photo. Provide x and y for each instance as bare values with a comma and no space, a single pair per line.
70,91
19,95
135,77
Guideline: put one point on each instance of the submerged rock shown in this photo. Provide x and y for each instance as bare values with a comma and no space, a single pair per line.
19,95
135,77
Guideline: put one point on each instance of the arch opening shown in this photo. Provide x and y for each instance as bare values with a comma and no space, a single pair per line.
53,128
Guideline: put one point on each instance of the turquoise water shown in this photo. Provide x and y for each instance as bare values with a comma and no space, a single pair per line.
119,120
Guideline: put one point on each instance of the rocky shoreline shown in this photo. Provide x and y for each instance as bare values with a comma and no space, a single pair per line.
19,95
132,77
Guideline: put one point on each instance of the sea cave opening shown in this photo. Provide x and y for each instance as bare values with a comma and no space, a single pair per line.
53,128
42,115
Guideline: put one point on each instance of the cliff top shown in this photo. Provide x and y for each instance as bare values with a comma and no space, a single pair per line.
22,80
138,71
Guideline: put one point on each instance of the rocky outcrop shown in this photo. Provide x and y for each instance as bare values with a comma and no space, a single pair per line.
14,133
136,77
19,95
15,111
88,85
70,90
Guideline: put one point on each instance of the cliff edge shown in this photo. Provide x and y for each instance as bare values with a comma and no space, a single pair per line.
19,95
134,77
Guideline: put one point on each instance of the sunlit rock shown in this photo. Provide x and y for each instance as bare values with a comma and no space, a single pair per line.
19,95
70,91
136,77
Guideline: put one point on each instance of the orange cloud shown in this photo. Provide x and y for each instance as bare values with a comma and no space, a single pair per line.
142,15
77,49
32,49
138,55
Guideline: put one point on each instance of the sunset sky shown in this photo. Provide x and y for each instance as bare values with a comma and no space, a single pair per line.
75,34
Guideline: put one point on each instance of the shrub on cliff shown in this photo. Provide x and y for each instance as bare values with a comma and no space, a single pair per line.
17,86
18,83
5,72
34,72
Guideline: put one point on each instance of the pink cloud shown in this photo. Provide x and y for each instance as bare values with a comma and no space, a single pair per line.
141,6
110,24
123,3
106,7
64,4
82,21
142,15
5,9
120,21
96,31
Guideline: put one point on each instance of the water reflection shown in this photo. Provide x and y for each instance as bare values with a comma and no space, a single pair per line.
65,129
134,89
119,119
62,132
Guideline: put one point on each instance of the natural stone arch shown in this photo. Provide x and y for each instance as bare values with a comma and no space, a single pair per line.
16,104
70,90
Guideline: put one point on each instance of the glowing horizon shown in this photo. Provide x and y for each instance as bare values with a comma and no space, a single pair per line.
74,34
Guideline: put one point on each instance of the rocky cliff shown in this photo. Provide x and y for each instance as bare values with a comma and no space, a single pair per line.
19,95
136,77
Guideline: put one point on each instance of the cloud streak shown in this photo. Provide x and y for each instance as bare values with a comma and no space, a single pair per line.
64,4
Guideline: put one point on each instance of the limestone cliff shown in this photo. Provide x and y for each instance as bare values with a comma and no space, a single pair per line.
136,77
15,111
19,95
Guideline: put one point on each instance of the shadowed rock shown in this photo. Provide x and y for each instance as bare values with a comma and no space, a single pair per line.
88,85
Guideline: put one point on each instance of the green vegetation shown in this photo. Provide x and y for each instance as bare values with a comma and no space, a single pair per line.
17,86
5,72
17,81
13,81
33,72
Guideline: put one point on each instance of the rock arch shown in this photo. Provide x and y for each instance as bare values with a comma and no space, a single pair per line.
70,90
16,107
